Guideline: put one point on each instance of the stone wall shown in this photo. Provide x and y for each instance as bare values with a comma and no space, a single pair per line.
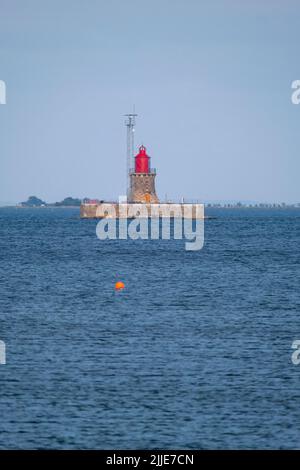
115,210
142,188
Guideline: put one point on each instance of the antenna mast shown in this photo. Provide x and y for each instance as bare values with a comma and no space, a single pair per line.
130,124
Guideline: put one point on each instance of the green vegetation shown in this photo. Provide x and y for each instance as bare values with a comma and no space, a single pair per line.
33,201
68,201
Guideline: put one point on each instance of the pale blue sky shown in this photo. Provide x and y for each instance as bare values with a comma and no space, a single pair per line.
211,82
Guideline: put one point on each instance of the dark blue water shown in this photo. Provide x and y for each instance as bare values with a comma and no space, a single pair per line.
194,354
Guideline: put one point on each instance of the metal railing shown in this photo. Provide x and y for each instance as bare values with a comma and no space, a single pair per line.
151,171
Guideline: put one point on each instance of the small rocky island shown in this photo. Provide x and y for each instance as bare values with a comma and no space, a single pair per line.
34,201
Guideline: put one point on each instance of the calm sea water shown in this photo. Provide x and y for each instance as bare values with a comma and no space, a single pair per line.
195,353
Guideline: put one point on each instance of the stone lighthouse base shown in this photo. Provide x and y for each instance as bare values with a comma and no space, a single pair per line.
133,210
142,188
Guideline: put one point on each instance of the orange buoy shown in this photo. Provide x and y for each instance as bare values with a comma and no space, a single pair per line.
119,285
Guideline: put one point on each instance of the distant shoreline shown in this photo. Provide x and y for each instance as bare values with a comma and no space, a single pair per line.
16,206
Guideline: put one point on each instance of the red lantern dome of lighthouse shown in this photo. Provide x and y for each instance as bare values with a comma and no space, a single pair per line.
142,161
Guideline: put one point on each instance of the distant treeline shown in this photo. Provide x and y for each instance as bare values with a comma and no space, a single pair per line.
34,201
262,205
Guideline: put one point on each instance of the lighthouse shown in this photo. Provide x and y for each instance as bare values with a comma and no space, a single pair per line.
140,189
142,179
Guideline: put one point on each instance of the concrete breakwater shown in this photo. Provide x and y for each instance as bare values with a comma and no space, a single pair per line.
134,210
